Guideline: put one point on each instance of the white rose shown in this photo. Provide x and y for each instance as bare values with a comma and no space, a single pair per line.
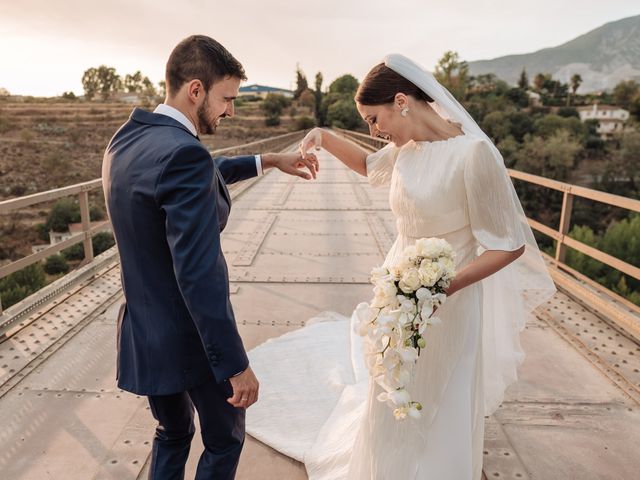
379,272
410,281
410,252
429,273
396,272
428,247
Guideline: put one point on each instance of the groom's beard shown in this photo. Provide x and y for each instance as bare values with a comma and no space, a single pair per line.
207,126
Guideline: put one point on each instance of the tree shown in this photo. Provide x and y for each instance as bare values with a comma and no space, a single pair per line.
575,82
4,92
581,262
307,99
518,97
304,123
273,105
338,104
548,125
103,80
320,112
69,95
149,92
497,125
101,242
163,88
553,157
346,85
523,81
21,284
56,264
63,212
133,83
625,92
90,83
453,74
343,114
108,80
625,161
301,83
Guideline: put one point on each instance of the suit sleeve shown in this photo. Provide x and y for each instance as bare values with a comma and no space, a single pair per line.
187,193
236,169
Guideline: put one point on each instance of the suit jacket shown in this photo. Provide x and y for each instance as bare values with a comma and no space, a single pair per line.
168,202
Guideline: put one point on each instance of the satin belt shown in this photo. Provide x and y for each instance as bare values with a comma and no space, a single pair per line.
433,225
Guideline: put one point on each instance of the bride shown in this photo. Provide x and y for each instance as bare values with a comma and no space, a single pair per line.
446,180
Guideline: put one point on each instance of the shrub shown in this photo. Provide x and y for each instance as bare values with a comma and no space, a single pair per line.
101,242
21,284
304,123
56,264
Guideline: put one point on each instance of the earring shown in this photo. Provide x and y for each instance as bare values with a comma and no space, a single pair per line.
404,111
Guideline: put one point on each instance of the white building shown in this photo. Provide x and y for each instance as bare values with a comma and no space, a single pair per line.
610,118
262,91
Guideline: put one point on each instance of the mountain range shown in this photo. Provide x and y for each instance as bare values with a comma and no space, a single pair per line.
602,57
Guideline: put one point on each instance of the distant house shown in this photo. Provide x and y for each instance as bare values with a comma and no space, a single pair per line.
535,99
262,91
611,119
57,237
126,97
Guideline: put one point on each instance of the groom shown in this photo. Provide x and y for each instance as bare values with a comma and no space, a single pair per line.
168,202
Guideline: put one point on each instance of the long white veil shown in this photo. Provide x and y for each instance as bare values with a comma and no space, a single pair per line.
511,294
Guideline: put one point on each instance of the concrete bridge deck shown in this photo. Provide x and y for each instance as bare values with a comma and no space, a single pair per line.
296,248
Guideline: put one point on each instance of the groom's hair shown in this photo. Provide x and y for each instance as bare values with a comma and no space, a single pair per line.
381,85
200,57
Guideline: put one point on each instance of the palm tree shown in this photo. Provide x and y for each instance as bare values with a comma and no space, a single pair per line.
576,80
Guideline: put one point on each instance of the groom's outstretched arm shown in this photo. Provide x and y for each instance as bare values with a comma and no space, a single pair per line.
187,195
236,169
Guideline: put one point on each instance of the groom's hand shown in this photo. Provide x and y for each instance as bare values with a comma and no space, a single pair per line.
245,389
292,163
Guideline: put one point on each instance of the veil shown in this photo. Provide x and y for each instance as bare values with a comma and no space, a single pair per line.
511,294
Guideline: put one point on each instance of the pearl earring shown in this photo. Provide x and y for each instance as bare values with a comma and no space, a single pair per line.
404,111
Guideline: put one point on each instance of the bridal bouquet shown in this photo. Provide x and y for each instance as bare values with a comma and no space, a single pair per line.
406,295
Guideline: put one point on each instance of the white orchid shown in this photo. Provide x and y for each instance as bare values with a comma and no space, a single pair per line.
405,297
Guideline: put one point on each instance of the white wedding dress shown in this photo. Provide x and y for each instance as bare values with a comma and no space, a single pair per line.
316,403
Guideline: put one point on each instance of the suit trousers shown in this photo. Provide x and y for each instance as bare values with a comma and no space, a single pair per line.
222,427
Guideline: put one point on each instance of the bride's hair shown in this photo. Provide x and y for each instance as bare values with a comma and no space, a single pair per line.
381,85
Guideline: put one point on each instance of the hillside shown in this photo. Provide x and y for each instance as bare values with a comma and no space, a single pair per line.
602,57
50,145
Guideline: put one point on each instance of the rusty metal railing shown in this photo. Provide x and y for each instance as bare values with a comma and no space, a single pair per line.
561,234
81,190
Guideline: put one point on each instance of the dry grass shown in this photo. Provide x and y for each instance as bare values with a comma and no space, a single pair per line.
51,145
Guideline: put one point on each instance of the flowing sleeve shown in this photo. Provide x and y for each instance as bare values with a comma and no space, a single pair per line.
380,165
496,221
512,294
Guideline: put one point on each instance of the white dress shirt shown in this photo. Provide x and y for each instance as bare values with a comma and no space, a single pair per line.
177,115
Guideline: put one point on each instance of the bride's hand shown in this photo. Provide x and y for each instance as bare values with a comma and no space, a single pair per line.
311,139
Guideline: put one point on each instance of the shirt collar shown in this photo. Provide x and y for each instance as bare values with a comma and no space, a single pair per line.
177,115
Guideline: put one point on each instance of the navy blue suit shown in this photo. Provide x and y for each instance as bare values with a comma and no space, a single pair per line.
177,337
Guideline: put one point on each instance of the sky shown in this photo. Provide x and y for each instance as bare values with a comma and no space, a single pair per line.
45,45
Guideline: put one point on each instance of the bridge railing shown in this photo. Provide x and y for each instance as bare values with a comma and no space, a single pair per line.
82,190
560,234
